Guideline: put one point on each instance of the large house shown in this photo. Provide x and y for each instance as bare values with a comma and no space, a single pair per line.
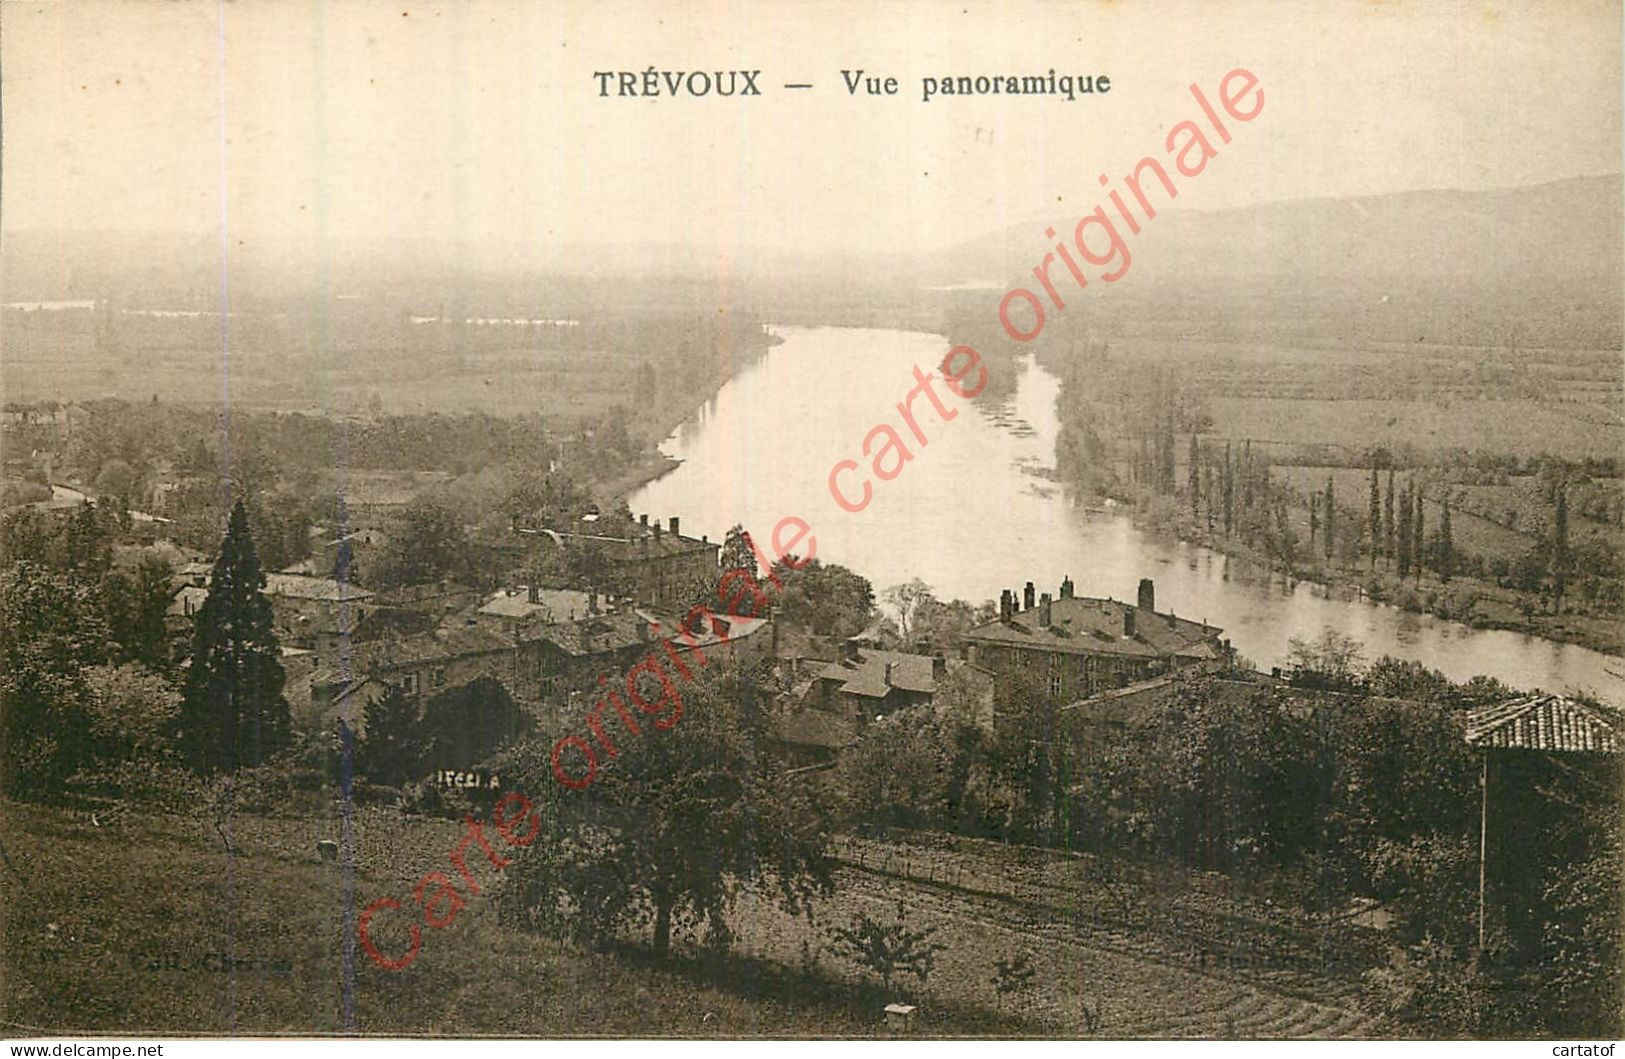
1075,646
660,568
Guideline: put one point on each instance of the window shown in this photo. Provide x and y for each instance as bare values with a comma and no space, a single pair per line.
1055,685
439,676
409,683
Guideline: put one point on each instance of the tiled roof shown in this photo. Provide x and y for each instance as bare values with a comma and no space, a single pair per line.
599,634
381,656
867,675
552,604
647,544
298,586
1545,722
1095,626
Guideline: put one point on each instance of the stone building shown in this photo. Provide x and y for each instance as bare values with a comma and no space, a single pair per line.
1076,646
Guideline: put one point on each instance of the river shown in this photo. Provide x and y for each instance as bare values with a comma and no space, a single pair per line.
973,511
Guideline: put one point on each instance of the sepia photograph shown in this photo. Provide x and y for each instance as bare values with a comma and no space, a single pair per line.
620,521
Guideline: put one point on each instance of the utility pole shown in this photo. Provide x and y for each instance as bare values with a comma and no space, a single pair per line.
1483,842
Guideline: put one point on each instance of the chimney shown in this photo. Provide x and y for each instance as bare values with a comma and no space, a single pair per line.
592,601
1027,598
535,595
849,650
657,529
643,520
888,674
1004,605
1128,620
939,667
674,525
1066,588
1043,611
1148,594
1015,602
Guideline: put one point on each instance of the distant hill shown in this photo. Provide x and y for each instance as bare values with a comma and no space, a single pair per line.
1537,265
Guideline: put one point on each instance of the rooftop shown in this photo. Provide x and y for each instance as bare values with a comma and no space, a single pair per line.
301,586
384,655
550,604
873,674
1546,722
1083,625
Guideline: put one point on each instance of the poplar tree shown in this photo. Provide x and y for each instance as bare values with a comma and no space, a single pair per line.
1314,520
1419,546
1376,517
1331,514
232,710
1388,518
1444,551
1195,477
1560,549
1229,491
1404,541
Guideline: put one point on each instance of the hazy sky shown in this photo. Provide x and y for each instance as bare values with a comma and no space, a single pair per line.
482,120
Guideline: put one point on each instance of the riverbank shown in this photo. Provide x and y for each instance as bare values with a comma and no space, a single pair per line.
1472,602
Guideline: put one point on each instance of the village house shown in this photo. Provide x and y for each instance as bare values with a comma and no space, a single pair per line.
310,612
865,684
342,685
825,711
660,568
563,660
1076,646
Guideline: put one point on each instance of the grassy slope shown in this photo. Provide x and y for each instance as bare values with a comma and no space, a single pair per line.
164,885
88,907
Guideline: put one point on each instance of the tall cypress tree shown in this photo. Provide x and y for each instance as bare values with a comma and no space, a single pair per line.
232,712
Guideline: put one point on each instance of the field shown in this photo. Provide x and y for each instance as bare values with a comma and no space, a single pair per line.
90,909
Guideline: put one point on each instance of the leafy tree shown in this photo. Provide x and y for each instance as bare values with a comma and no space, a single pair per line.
50,632
89,541
673,827
737,553
887,950
132,713
429,544
1332,661
899,773
906,600
827,598
233,713
134,606
464,725
392,749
